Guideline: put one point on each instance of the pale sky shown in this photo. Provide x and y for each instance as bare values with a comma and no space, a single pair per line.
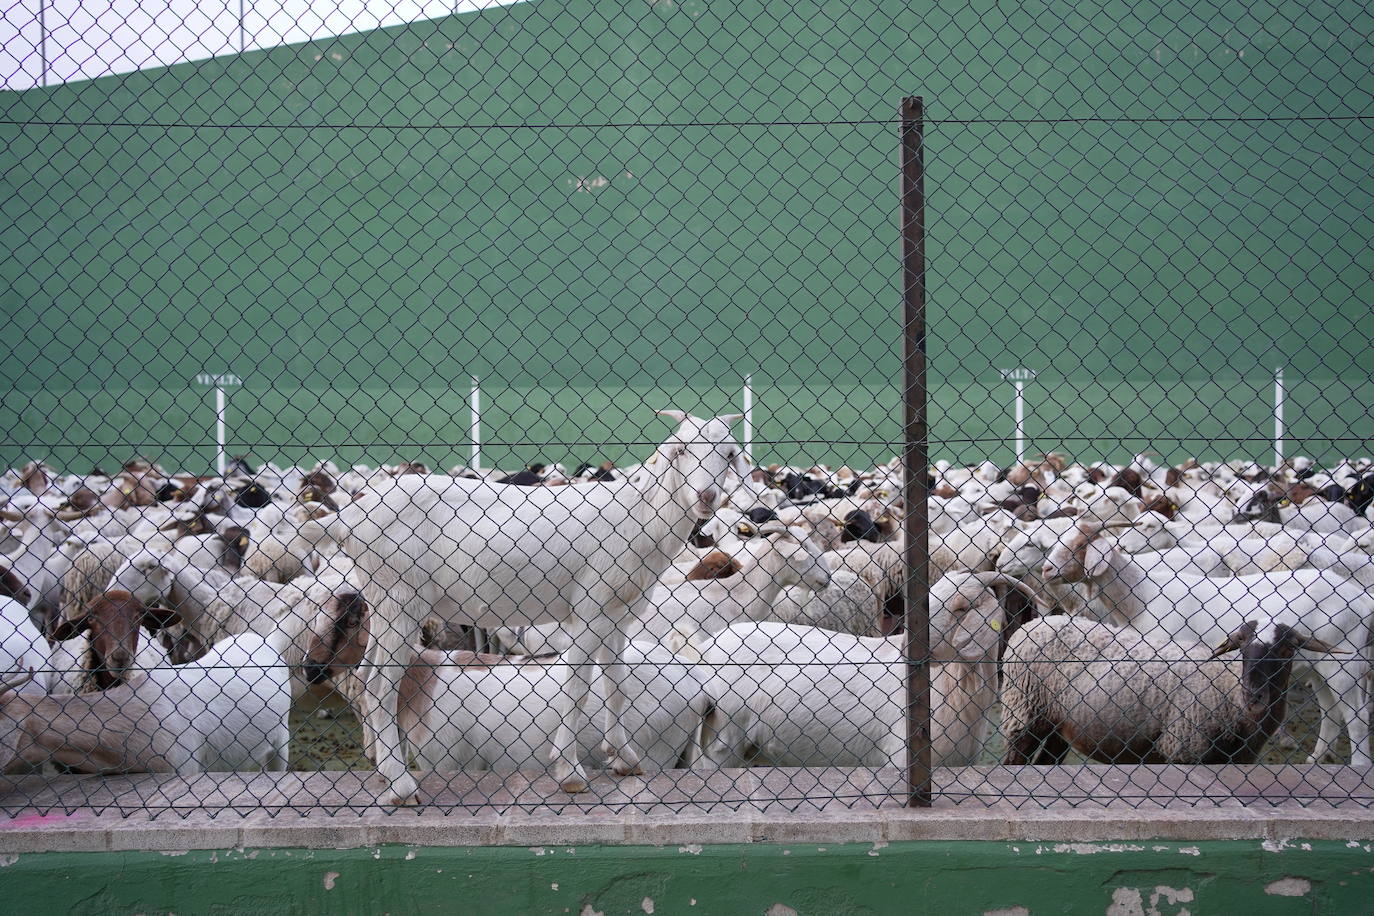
84,39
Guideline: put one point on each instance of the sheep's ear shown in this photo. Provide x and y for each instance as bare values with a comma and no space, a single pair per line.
729,418
156,618
63,630
984,624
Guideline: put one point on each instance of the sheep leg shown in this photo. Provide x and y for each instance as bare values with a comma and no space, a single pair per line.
1054,750
1023,743
570,703
388,656
621,757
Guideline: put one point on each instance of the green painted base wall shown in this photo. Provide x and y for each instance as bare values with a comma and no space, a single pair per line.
1137,877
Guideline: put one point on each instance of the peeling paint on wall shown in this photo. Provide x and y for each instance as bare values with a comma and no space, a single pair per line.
1288,887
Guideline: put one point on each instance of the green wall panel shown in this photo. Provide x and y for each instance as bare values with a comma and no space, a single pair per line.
816,880
358,225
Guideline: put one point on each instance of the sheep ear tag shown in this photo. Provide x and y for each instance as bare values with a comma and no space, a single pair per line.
996,625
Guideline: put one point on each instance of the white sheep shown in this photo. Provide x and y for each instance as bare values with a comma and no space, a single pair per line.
1327,604
1117,696
801,696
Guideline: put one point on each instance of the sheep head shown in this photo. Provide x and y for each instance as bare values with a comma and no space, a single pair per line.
969,618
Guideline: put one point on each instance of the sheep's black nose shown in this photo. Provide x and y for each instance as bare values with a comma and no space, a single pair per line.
315,673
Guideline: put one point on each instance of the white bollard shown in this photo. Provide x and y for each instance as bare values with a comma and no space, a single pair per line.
220,437
1018,378
1278,417
749,416
220,381
476,426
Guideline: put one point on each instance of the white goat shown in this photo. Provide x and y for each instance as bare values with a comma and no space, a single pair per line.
488,555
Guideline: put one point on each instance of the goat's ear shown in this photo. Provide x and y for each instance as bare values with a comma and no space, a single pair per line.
1097,557
677,416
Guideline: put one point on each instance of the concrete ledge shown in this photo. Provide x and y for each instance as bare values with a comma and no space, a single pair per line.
1056,805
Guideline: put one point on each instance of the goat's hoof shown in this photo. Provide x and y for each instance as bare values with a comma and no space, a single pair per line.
574,784
627,769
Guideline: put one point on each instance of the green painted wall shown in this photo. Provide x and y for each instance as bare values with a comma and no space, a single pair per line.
936,877
359,224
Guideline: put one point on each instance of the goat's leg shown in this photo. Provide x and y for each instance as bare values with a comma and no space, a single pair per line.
621,757
569,705
1328,720
1352,696
388,656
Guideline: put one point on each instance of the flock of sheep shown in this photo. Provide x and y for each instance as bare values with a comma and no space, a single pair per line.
694,610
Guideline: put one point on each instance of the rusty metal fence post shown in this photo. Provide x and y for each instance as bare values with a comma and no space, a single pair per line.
915,462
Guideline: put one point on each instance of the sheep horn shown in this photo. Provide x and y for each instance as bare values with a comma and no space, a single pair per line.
731,417
8,685
677,416
1313,644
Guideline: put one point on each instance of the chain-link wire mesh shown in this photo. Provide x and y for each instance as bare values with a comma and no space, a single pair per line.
336,336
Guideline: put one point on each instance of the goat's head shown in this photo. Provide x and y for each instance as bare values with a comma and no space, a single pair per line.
337,637
113,621
971,614
707,459
1266,654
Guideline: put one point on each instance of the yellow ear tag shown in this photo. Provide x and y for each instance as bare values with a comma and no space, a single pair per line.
996,625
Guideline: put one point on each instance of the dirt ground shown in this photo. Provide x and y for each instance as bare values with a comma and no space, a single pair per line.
333,741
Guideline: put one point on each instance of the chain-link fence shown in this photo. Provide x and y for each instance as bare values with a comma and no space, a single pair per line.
1026,426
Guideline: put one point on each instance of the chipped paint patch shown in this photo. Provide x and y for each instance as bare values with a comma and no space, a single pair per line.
173,852
1288,887
691,848
537,850
1189,851
410,854
877,844
779,909
329,878
588,911
8,860
1126,901
647,905
1087,849
1008,911
1130,901
1171,895
553,886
